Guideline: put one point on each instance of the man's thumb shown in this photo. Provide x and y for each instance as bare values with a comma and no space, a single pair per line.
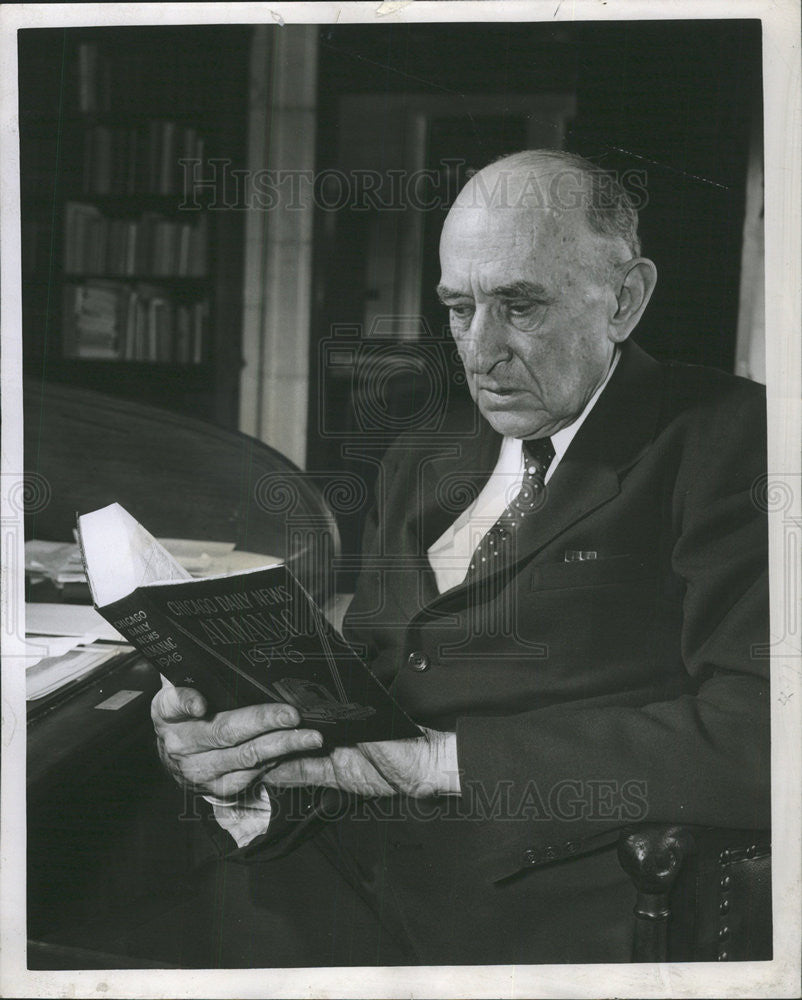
176,704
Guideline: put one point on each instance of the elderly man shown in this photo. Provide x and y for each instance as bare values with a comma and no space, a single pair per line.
579,635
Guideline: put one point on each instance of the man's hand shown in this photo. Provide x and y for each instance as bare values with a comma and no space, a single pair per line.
223,755
419,768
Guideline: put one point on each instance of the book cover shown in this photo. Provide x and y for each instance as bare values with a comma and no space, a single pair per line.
241,639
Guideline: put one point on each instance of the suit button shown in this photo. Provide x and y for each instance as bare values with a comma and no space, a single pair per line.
571,847
530,856
418,661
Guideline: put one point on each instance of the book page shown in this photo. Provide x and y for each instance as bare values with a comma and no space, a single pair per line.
120,555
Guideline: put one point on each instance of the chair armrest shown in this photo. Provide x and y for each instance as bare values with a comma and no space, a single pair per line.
721,883
653,856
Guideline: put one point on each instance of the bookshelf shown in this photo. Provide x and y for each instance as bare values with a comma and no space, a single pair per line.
132,237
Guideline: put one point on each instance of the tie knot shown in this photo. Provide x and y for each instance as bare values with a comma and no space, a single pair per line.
539,452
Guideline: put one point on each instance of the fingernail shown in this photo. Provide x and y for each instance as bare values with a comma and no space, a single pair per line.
313,740
287,718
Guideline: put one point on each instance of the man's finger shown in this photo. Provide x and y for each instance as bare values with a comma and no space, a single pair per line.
253,754
177,704
228,729
226,786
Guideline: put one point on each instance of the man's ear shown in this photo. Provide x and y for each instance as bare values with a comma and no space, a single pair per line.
635,281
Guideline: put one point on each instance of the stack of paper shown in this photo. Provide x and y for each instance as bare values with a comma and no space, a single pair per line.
56,561
54,672
65,643
61,561
77,620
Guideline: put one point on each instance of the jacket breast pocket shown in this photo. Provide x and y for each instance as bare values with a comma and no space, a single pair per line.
588,573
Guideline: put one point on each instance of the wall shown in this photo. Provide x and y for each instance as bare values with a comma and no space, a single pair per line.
274,382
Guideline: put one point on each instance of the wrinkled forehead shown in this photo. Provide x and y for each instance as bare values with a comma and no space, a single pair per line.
476,231
520,211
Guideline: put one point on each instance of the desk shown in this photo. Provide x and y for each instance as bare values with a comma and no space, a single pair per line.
77,735
104,836
106,847
121,872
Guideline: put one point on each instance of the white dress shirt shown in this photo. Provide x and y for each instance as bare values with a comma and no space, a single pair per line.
451,554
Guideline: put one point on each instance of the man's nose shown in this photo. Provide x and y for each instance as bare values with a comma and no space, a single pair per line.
486,344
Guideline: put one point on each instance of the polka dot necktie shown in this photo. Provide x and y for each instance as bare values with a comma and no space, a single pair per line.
495,546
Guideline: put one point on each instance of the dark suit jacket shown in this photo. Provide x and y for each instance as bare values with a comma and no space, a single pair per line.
586,693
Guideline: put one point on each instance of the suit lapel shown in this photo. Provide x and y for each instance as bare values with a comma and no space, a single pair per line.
447,482
612,438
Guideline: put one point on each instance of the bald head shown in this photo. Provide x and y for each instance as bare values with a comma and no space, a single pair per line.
556,190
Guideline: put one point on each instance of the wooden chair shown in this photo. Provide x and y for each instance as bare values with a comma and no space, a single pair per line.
702,894
180,477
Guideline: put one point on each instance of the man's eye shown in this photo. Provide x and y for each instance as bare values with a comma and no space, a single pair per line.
526,315
462,312
522,308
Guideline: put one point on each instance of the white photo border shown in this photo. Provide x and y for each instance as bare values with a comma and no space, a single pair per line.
783,143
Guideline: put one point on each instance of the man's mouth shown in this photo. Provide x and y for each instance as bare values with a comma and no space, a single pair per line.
499,390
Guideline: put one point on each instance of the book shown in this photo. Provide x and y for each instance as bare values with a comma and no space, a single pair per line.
80,220
87,77
94,319
240,639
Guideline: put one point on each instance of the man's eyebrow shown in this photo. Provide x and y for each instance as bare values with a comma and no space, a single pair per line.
514,290
444,292
520,290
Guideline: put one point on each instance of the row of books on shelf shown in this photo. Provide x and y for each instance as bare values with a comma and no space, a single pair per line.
155,158
113,321
150,244
142,159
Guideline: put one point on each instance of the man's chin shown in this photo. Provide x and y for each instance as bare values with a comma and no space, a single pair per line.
513,424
